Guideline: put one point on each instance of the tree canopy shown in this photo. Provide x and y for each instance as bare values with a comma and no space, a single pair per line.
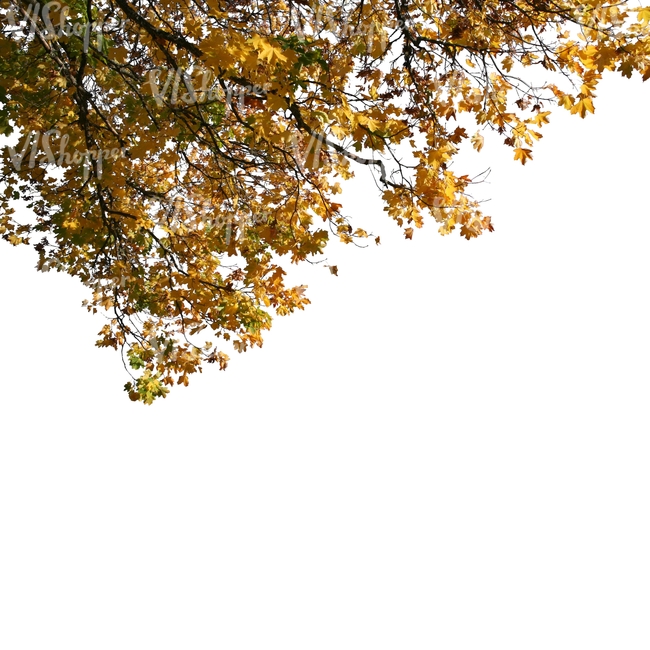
175,155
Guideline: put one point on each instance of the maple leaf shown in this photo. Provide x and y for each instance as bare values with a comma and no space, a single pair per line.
566,101
267,51
583,106
523,155
458,135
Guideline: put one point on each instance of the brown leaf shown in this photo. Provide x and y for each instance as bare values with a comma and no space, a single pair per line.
458,135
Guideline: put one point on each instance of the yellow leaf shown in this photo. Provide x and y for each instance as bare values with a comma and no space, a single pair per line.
541,118
275,102
267,51
523,155
583,107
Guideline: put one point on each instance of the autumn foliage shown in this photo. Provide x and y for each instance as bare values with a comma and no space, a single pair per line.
175,155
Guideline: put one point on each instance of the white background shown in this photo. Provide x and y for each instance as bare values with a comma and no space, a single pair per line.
448,449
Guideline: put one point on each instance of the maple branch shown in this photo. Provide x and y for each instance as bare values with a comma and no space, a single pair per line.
155,32
295,111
